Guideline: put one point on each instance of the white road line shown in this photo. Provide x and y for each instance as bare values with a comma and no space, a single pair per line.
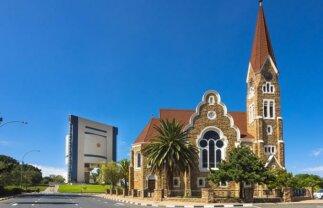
119,204
14,204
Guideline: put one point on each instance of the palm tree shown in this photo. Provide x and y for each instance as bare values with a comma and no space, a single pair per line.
124,171
170,151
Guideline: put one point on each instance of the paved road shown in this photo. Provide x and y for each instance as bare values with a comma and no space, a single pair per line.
61,201
289,206
86,201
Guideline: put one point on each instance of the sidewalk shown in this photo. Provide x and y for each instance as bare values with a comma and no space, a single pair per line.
148,202
169,204
51,189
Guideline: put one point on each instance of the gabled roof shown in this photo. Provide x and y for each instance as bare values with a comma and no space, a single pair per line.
149,131
262,47
183,116
240,120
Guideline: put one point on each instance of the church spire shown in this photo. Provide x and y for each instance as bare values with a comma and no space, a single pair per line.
261,48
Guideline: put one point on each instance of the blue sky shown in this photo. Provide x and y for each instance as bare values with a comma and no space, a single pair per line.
119,62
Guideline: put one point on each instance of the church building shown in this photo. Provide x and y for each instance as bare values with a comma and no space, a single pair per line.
216,130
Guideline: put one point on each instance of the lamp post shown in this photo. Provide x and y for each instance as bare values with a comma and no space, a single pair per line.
22,122
22,164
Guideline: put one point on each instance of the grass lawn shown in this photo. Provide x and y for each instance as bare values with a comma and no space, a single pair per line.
87,188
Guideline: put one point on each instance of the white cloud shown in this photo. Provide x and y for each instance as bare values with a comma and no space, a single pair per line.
47,170
317,152
314,169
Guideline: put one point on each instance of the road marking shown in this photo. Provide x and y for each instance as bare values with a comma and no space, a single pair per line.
119,204
14,204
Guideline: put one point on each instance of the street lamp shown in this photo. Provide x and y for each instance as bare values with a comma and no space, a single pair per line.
22,163
22,122
1,120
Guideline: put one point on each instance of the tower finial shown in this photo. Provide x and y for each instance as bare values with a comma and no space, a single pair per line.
260,2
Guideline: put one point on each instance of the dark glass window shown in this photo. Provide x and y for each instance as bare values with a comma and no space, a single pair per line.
219,144
211,154
201,182
211,135
265,109
175,182
204,158
203,143
218,156
211,146
138,160
271,109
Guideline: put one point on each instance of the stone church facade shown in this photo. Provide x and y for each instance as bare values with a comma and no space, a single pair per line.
217,131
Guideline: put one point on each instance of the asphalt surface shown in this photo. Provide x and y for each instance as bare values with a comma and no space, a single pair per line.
289,206
87,201
61,201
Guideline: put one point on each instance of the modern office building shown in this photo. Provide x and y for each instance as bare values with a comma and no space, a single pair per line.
88,144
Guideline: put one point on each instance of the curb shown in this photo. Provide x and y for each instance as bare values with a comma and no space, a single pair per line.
6,198
179,206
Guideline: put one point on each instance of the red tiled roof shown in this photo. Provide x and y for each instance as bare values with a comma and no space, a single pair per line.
262,47
182,116
148,132
240,119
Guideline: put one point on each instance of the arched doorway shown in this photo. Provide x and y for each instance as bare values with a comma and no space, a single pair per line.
151,182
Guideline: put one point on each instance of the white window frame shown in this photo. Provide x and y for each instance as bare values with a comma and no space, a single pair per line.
211,100
251,113
270,149
267,102
211,115
224,185
268,88
198,182
178,181
269,130
136,160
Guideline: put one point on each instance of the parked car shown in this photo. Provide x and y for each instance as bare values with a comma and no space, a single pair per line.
318,194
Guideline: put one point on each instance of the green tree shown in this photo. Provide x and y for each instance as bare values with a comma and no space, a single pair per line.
281,179
242,166
7,165
46,180
124,172
110,173
170,151
59,179
31,175
309,180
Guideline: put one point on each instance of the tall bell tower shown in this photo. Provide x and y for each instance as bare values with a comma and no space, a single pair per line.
264,121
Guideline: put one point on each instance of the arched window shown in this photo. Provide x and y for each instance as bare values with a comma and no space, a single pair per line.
211,148
268,88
